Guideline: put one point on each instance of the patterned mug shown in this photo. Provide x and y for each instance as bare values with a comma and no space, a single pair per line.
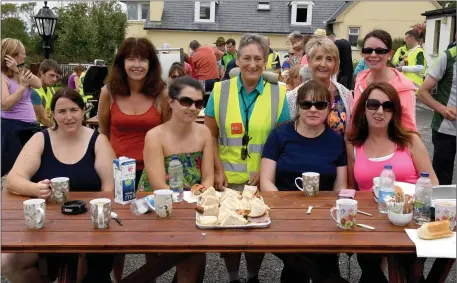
34,213
346,212
445,210
310,183
60,188
163,203
100,212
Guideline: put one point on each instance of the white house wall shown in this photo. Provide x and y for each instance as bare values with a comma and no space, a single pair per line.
445,37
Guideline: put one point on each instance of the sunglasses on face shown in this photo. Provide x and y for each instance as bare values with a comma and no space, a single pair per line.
187,102
244,149
374,104
378,51
174,77
306,104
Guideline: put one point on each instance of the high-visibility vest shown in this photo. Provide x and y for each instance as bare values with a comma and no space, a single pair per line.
80,83
227,58
265,114
46,98
271,64
416,78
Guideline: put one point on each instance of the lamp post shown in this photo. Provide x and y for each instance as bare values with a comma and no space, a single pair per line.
45,21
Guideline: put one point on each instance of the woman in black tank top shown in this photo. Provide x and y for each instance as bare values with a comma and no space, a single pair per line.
67,150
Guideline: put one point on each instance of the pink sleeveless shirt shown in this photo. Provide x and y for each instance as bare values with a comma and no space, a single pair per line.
365,170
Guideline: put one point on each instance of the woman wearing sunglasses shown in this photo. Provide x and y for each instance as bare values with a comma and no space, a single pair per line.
323,61
378,138
306,144
377,52
176,70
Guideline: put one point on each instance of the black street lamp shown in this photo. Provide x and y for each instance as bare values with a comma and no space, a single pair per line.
45,21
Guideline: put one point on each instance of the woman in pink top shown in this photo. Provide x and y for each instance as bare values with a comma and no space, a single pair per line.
377,52
377,138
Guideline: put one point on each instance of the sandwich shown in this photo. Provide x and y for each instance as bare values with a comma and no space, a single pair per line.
208,200
207,220
209,192
231,218
232,203
258,212
197,189
434,230
399,194
208,210
250,191
229,192
245,204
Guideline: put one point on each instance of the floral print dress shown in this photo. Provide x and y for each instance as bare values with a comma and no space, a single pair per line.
191,163
338,116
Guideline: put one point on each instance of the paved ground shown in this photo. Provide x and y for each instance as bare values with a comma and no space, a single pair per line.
271,267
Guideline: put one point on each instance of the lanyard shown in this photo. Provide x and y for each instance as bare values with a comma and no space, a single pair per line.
247,108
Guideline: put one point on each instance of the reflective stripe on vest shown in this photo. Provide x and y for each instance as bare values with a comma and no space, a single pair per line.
264,117
270,65
416,78
46,97
81,83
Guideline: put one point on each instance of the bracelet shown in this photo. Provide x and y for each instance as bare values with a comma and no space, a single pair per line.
74,207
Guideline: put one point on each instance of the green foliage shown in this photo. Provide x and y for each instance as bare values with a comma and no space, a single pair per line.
9,10
89,30
397,43
15,28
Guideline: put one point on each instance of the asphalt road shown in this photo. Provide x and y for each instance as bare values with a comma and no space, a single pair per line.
271,267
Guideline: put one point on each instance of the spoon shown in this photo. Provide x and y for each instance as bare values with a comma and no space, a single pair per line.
115,217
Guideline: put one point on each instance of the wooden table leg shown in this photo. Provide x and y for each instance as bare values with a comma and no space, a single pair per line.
440,270
397,272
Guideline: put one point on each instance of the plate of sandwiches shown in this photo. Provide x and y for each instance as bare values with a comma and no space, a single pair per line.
230,209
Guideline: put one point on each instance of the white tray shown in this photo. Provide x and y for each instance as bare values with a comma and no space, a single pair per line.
247,226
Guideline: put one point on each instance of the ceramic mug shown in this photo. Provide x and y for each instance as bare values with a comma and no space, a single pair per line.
34,213
310,183
163,203
346,212
100,212
445,210
59,189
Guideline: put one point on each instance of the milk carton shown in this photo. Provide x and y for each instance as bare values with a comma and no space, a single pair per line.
124,180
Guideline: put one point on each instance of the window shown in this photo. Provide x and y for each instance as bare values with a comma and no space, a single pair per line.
301,13
263,6
205,11
436,38
354,36
137,11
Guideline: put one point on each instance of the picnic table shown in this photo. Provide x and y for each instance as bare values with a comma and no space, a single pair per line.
291,231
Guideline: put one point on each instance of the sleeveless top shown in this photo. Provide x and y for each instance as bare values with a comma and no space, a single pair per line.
365,170
71,81
82,174
127,132
23,110
191,163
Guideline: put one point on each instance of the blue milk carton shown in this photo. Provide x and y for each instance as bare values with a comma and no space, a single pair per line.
124,180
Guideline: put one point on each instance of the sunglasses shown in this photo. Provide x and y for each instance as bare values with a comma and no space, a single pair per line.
378,51
306,104
244,149
175,77
374,104
187,102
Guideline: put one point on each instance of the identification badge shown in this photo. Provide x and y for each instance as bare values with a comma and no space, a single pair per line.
236,128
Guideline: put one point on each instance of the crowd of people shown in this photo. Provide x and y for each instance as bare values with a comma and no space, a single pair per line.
257,130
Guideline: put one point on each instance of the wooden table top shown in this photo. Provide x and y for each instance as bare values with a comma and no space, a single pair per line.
291,229
94,120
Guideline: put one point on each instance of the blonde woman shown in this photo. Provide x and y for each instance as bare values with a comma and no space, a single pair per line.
323,61
18,117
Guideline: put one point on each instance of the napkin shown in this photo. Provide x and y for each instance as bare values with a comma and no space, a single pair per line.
189,197
439,248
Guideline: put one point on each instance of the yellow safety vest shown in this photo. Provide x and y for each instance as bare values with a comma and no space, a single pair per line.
416,78
271,66
264,117
46,98
80,83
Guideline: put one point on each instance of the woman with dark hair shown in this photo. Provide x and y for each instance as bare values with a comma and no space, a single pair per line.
377,53
192,144
307,144
378,138
67,150
133,100
176,70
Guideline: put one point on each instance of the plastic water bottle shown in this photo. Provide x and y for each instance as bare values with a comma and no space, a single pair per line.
386,187
175,179
423,199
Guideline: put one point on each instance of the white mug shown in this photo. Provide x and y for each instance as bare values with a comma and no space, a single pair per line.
34,213
445,210
310,183
100,212
163,203
346,212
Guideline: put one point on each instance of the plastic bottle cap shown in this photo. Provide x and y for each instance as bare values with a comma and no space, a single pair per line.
387,166
174,157
425,174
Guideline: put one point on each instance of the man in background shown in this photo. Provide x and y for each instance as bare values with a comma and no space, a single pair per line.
205,64
49,73
346,68
230,52
273,62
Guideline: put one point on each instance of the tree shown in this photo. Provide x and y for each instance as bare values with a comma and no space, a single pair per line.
89,30
447,4
15,28
9,10
27,11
